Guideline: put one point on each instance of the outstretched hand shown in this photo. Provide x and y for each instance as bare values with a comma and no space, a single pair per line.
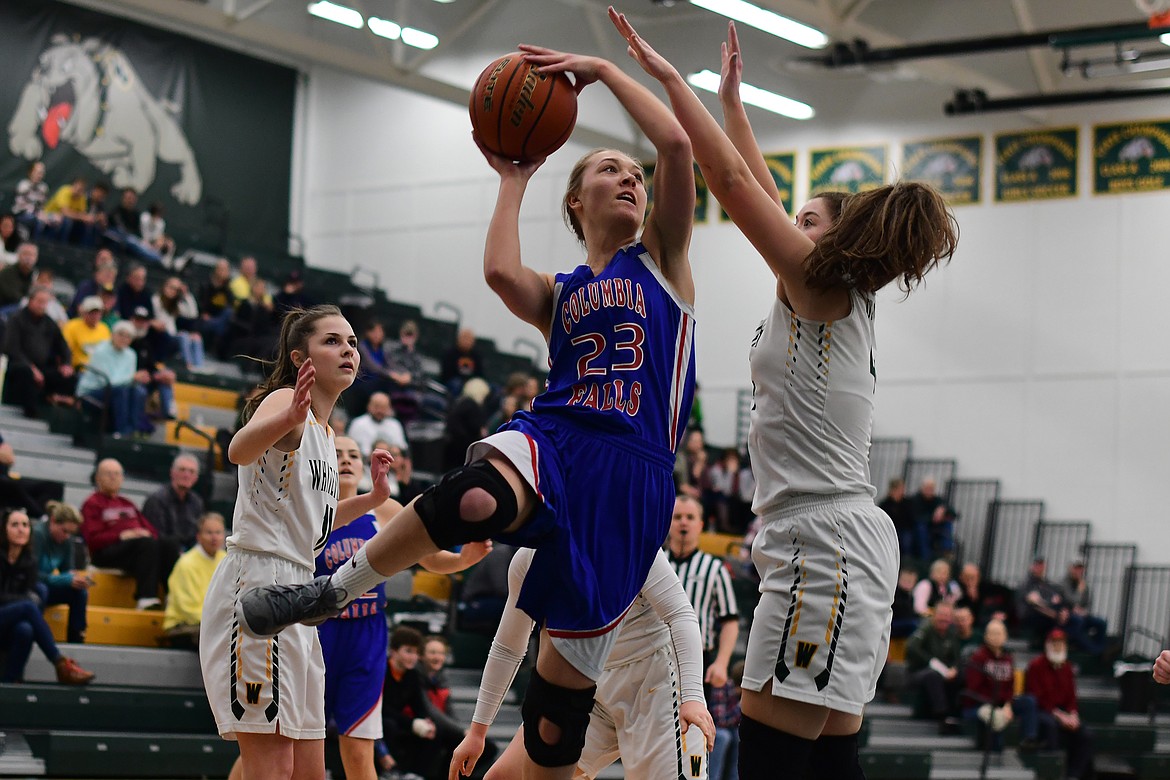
651,61
585,69
380,461
301,397
731,73
506,167
474,552
465,756
695,712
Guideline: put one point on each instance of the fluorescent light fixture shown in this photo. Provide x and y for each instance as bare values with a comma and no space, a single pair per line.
754,16
419,39
762,98
1165,38
336,13
384,28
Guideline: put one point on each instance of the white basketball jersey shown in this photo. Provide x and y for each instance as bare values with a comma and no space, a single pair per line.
812,411
286,501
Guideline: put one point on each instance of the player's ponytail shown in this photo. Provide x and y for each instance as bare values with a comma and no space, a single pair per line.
296,328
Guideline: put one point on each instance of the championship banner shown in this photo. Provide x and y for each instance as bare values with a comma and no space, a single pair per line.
782,166
1036,165
952,166
702,194
1131,157
195,128
847,169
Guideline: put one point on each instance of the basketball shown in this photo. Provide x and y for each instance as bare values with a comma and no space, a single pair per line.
520,113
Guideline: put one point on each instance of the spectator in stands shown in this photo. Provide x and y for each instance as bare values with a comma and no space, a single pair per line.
986,600
98,220
405,366
188,582
86,331
31,195
377,375
377,423
485,591
153,229
932,659
901,511
21,621
66,215
690,457
723,486
990,687
176,510
174,306
120,537
40,364
216,305
255,326
448,727
113,375
17,490
243,284
724,703
466,422
105,274
134,294
905,619
124,228
62,562
1040,604
16,279
43,277
9,239
1051,681
708,586
402,470
461,362
292,294
408,732
1088,632
935,519
154,347
965,631
937,586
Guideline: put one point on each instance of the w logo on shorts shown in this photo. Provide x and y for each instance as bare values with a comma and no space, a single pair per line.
252,692
805,651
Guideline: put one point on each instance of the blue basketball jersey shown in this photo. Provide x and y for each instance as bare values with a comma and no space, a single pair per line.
621,351
341,545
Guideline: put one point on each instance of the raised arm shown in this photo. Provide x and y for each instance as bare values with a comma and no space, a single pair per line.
279,420
526,293
667,233
762,220
735,119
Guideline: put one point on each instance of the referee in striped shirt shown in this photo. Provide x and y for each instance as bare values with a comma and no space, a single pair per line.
708,586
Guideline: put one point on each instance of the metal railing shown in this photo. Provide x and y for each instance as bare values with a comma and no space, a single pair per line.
942,469
1011,540
972,500
1105,573
887,459
1147,610
1061,543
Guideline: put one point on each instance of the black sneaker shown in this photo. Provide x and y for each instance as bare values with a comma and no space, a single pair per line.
264,612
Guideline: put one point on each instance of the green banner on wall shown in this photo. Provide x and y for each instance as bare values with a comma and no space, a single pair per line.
204,132
847,169
782,166
1036,165
953,166
1131,157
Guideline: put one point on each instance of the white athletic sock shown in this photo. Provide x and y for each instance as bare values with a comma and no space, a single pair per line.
356,576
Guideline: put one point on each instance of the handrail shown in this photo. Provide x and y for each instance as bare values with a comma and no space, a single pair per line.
210,482
522,343
357,271
449,307
104,405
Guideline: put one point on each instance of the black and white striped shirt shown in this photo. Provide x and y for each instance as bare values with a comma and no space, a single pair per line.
708,586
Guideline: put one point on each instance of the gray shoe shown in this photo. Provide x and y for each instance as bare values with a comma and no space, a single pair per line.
266,611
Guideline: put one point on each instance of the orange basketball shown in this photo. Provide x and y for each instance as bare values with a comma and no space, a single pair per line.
520,113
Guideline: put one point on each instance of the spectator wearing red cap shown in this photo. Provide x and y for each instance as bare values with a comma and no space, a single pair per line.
1050,680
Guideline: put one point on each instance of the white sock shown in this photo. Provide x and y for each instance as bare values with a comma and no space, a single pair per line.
356,576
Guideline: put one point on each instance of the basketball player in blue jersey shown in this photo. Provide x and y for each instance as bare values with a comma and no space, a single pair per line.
827,557
354,643
268,694
585,477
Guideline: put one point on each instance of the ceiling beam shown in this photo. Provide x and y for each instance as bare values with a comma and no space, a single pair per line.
1036,56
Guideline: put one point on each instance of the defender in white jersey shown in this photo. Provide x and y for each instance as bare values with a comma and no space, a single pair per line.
269,693
827,557
649,708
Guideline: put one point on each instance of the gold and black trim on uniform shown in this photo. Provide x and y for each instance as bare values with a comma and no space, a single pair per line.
792,621
837,617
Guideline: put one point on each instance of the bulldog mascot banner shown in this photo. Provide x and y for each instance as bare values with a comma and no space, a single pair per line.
183,123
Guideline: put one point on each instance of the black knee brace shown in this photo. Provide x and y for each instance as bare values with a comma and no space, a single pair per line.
835,758
566,708
438,506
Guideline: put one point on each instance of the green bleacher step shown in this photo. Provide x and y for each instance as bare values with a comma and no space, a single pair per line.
896,764
34,706
94,754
